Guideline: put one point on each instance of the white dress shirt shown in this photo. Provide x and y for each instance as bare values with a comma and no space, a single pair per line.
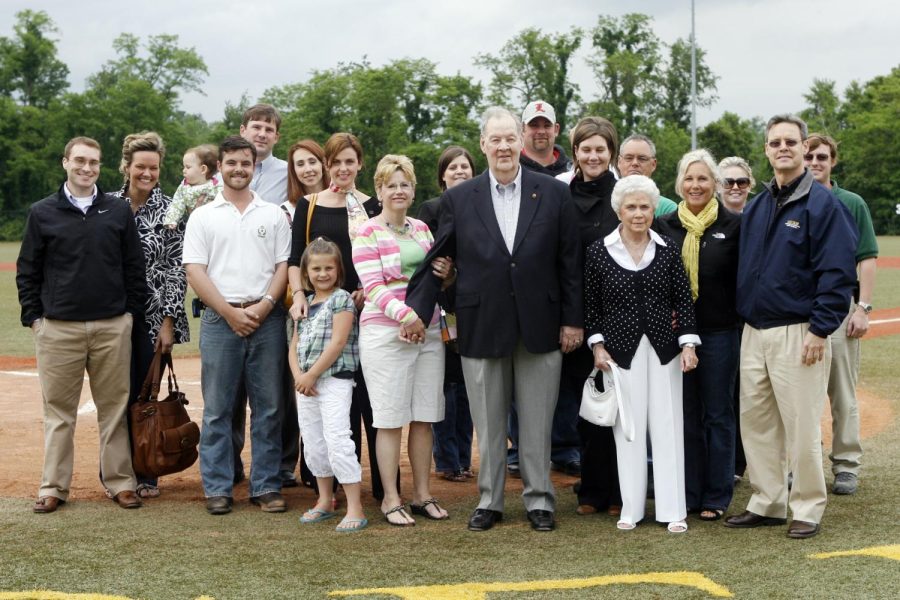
506,200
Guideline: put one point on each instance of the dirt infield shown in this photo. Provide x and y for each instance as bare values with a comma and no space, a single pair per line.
21,444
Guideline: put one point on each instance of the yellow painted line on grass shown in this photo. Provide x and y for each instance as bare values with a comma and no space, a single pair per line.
478,591
50,595
890,552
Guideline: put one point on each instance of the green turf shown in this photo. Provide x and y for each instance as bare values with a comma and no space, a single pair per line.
175,550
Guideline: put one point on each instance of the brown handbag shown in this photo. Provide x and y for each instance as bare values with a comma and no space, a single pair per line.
163,438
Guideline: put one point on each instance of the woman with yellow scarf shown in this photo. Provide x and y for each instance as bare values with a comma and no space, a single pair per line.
708,236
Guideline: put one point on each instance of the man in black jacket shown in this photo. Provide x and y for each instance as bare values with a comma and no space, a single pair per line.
81,282
514,237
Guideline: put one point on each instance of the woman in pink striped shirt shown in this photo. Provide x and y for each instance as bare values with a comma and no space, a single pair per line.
402,358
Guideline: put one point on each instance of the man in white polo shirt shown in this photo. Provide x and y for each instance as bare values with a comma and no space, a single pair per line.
235,254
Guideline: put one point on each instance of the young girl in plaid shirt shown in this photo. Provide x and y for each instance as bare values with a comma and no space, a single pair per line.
324,356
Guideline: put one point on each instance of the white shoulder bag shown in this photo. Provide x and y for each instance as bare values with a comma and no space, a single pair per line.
602,408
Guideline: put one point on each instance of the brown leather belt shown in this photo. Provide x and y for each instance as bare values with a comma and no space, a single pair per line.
245,304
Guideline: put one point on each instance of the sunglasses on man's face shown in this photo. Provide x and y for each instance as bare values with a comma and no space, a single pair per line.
742,182
820,156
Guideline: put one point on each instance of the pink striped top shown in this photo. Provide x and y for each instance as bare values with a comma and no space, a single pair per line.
376,256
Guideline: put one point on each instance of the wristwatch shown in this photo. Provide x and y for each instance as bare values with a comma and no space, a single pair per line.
867,308
269,298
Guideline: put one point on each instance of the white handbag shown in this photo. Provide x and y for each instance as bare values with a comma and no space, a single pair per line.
603,408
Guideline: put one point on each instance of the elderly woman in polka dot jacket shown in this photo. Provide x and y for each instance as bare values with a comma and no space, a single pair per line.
634,282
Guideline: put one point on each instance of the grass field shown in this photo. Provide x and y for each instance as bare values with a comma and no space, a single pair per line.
175,550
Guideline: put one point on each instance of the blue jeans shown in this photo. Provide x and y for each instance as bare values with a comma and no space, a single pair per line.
453,435
565,443
258,360
709,422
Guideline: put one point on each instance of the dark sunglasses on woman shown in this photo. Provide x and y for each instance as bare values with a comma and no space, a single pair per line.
742,183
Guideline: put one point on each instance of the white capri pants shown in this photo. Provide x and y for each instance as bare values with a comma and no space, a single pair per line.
325,429
405,381
653,392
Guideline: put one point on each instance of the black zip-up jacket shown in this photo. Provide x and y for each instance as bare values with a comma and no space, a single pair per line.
560,165
716,305
76,266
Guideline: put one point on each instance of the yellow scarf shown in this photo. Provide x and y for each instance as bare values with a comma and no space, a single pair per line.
695,226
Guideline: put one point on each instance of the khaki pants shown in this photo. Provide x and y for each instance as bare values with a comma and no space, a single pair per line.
64,350
781,406
846,449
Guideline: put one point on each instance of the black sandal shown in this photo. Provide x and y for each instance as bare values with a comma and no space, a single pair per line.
716,514
422,510
402,510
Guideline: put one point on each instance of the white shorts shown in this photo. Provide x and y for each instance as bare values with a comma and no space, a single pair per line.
405,381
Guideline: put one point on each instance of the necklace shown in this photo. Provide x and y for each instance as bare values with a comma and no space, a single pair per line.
401,230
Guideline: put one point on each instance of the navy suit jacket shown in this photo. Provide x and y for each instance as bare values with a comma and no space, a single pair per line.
502,296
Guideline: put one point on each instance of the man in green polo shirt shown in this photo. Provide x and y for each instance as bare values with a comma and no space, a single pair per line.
846,450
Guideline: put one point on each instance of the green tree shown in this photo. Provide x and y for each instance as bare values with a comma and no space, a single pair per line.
823,112
868,152
404,107
626,64
533,66
730,135
29,68
164,65
675,101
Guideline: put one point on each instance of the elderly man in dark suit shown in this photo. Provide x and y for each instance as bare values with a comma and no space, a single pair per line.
518,302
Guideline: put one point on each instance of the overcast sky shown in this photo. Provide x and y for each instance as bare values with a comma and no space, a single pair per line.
765,52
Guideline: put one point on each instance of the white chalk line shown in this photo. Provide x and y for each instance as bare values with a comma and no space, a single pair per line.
89,407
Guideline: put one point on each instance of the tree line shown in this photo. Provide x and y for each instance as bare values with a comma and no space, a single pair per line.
641,83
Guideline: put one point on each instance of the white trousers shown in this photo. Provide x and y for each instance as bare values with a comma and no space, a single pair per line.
325,429
653,398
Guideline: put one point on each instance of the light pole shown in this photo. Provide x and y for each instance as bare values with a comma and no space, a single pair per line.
693,81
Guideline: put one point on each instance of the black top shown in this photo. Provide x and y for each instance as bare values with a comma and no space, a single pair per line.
429,213
331,223
596,220
716,305
624,305
560,165
76,266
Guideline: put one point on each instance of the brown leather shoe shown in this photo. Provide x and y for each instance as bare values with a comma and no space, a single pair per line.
748,519
127,499
47,504
586,509
802,529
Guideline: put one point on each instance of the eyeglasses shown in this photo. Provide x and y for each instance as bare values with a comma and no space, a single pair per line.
789,142
742,182
629,158
819,156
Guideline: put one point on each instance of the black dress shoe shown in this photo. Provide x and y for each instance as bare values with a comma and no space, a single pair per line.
573,467
748,519
513,470
802,529
541,520
483,519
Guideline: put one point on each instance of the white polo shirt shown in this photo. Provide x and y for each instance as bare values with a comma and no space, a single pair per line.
240,251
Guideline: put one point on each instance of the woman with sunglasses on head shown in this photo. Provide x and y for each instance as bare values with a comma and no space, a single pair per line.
737,183
707,235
